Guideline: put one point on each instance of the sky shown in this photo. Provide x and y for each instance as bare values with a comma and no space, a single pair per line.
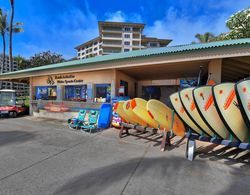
60,25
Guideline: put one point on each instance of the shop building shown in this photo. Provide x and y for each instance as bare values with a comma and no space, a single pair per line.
151,73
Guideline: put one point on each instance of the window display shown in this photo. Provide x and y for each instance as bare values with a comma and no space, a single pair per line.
103,92
46,93
76,93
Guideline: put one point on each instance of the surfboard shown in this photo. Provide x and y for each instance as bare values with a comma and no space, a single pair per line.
204,101
243,98
118,108
178,108
165,117
187,100
133,118
139,108
227,105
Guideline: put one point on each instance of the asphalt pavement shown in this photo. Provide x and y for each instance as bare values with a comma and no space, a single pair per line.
41,156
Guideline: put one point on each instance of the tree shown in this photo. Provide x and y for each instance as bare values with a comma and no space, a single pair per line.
22,62
45,58
205,38
239,25
13,28
10,30
3,30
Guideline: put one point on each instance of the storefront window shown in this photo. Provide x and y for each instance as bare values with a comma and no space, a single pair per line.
103,91
46,93
125,85
76,93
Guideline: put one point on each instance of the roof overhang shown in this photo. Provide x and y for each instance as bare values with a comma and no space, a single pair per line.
148,57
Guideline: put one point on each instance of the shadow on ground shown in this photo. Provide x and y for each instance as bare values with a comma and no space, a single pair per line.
171,172
9,137
231,155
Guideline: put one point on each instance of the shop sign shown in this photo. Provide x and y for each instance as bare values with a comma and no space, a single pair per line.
63,80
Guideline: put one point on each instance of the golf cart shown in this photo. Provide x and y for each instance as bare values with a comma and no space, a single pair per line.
10,104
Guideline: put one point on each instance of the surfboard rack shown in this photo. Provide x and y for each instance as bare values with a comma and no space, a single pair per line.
191,144
165,136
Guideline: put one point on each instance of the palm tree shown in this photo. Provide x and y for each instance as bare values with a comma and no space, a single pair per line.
10,30
3,30
205,38
13,28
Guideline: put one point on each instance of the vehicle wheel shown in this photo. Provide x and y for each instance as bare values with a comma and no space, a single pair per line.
13,114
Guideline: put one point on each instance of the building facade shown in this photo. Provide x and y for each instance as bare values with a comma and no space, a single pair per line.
21,88
60,90
116,37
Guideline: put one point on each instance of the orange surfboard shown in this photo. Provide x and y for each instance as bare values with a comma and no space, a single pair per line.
243,97
227,105
178,107
204,100
187,100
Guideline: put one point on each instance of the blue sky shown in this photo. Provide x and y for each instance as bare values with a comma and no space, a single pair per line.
60,25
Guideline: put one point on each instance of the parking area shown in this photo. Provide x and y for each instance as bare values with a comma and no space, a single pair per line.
41,156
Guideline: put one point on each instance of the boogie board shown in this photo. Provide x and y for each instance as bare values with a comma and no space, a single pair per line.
243,98
139,108
118,108
228,108
187,100
177,105
105,116
204,101
133,118
165,117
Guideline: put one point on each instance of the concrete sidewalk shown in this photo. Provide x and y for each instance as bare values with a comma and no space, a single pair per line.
41,156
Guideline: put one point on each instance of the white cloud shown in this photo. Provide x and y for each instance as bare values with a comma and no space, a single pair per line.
119,16
182,28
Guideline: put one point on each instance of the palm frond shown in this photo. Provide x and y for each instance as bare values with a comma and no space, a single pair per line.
17,30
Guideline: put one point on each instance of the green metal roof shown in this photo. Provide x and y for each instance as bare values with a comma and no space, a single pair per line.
138,53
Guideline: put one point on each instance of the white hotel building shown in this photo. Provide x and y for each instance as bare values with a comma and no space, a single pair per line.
21,88
116,37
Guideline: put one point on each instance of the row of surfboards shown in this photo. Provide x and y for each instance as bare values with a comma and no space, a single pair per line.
152,113
221,111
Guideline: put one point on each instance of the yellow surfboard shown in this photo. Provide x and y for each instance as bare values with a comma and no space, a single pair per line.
133,118
187,100
164,116
118,108
139,108
243,97
204,100
178,107
227,105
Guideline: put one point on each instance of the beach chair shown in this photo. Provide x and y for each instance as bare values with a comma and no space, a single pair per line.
92,122
75,123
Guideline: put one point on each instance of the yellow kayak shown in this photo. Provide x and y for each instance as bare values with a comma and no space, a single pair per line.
178,107
139,107
164,116
118,108
132,117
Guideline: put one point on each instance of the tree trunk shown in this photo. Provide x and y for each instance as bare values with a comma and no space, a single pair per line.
11,28
4,55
